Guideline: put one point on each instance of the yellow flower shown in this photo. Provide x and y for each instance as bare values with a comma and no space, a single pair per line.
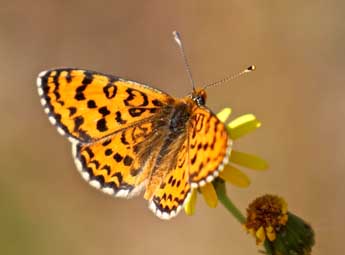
236,129
282,232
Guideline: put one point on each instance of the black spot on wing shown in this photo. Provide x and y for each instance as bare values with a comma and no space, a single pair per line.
135,112
107,168
99,178
106,142
102,125
91,104
89,152
119,119
133,94
88,78
118,157
110,90
78,121
119,176
135,172
72,111
127,161
104,111
123,138
108,152
156,102
68,76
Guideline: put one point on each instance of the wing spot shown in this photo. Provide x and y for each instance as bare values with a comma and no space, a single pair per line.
135,112
104,111
102,125
68,77
135,172
123,138
107,142
79,96
108,152
193,159
110,90
119,176
87,79
127,160
119,119
118,157
72,111
96,162
107,168
133,96
156,102
91,104
78,121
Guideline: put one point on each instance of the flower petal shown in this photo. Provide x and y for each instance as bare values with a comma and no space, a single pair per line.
270,233
224,114
189,207
260,235
235,176
242,126
248,160
210,195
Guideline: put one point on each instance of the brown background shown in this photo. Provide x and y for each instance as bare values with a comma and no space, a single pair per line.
297,92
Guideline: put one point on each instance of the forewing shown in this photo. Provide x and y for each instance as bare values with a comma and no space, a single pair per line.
209,146
86,106
173,192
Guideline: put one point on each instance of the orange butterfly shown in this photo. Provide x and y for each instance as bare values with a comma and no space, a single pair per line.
127,137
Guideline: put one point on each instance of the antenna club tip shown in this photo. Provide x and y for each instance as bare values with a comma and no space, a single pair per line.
177,37
251,68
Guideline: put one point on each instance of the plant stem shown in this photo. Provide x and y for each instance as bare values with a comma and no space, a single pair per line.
227,203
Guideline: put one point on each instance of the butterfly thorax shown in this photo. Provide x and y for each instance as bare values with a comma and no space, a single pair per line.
179,118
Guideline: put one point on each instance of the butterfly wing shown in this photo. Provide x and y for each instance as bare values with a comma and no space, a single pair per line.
121,164
174,190
209,146
202,156
86,106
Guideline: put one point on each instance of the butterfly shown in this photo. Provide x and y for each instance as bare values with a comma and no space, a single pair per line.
128,137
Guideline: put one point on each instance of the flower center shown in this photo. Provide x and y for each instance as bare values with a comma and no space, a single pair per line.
268,212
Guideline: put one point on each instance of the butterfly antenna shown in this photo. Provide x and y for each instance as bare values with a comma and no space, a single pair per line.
231,77
178,40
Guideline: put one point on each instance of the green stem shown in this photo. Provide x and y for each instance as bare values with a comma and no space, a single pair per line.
227,203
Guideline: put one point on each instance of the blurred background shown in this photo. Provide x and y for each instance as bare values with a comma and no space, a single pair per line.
297,92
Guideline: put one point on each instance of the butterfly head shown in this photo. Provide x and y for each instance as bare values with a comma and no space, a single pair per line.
199,97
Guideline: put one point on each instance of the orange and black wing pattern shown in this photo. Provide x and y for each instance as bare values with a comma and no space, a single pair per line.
86,105
175,188
209,146
119,164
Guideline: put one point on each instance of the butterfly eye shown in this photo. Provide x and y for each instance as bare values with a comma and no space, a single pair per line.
200,97
200,100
